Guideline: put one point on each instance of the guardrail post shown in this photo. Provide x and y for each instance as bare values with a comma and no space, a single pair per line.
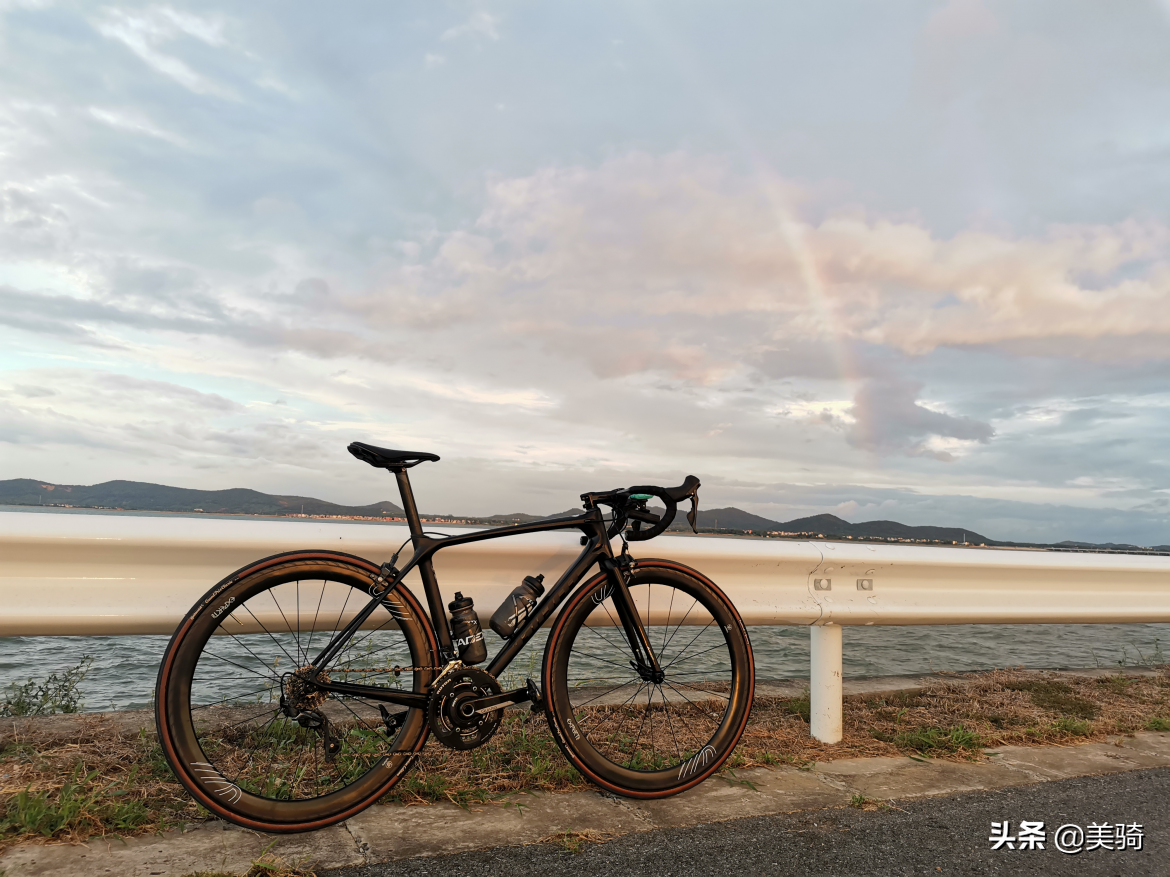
825,691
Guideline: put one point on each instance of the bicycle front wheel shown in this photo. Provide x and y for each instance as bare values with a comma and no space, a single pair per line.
630,732
242,724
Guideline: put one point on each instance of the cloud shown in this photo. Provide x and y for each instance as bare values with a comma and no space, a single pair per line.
144,33
134,123
671,277
481,24
888,419
33,226
961,20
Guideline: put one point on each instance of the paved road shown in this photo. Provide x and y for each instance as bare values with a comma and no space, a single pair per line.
946,835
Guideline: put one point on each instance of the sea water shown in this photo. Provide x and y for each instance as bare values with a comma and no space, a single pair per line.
122,673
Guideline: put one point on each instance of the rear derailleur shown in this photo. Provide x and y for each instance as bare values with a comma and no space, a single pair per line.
300,701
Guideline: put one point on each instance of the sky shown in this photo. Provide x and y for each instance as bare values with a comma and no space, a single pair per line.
898,260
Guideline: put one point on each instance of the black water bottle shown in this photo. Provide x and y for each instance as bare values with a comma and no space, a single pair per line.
518,605
465,631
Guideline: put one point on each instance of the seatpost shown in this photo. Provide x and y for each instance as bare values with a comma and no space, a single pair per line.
426,569
408,505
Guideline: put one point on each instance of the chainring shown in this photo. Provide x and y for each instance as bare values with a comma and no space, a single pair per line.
449,703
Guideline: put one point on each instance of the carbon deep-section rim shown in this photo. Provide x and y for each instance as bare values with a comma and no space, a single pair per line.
242,725
645,737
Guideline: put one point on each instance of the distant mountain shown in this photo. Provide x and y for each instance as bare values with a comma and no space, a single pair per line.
141,496
728,519
1112,546
522,517
828,525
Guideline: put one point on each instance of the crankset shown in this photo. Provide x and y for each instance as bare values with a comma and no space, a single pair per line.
455,719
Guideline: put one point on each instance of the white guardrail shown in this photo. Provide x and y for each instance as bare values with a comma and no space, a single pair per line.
104,575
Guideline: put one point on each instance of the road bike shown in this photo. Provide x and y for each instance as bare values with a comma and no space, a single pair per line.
303,686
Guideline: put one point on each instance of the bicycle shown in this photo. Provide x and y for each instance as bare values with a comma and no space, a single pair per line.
282,707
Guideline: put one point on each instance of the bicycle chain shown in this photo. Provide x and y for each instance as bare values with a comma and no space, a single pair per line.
397,671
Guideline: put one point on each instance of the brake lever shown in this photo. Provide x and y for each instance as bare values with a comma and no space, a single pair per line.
693,514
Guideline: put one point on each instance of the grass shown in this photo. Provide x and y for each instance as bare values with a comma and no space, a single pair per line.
100,784
933,740
1058,697
573,842
800,706
860,802
95,782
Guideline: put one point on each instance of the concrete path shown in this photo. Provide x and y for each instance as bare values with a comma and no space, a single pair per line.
927,836
395,832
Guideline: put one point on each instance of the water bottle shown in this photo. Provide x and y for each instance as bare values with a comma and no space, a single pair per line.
465,632
518,605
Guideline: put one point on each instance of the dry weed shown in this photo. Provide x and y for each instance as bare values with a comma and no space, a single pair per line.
98,782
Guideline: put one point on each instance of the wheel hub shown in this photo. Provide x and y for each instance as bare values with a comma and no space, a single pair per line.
649,674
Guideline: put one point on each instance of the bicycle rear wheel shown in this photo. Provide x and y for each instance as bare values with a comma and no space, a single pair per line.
243,727
644,737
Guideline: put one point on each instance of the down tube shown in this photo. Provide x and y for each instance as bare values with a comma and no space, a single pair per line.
555,597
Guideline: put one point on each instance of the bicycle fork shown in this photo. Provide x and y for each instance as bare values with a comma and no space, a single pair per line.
645,662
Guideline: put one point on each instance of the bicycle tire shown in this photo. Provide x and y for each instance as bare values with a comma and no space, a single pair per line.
593,691
241,756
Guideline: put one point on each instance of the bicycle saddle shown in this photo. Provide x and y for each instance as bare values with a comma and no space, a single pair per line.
384,458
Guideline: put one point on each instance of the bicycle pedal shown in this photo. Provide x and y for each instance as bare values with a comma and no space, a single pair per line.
392,722
534,697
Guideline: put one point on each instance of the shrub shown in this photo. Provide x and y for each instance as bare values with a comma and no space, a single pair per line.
59,693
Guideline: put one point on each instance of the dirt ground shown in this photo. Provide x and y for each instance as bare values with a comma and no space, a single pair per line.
67,781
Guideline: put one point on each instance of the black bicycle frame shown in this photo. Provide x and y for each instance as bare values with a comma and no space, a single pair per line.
597,550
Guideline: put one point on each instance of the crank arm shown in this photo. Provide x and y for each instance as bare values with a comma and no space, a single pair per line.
529,693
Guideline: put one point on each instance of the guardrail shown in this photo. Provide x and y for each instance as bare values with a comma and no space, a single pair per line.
106,575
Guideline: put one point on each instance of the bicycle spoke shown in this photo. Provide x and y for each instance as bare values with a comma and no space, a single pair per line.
700,690
604,693
666,627
664,721
625,703
696,636
678,627
313,629
695,655
621,631
670,724
222,701
599,658
641,727
241,666
270,636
